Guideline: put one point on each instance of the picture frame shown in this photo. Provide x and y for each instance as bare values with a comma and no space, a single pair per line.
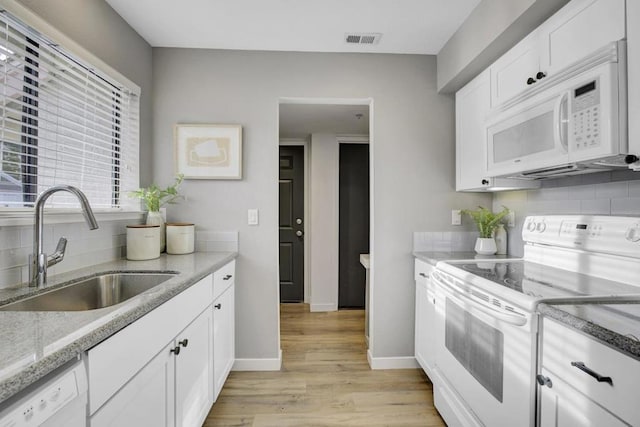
208,151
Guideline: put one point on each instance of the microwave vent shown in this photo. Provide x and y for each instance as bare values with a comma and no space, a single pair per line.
362,38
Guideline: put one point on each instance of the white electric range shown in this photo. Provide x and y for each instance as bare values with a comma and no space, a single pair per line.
486,321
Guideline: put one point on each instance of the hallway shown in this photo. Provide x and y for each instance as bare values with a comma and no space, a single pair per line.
325,381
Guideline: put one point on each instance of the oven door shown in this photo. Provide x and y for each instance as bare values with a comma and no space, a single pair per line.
486,354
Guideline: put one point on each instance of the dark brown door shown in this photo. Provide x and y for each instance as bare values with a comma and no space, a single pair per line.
292,224
354,223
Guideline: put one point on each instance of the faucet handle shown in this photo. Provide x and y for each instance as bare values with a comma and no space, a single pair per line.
58,255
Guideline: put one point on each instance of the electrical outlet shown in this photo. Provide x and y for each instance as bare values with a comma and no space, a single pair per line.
511,219
252,216
456,217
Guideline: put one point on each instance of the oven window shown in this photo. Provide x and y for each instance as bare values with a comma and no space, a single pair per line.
477,346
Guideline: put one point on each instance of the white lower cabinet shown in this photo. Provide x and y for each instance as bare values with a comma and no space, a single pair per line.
424,318
223,338
583,382
167,368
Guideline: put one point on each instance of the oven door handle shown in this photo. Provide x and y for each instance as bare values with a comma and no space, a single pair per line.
512,319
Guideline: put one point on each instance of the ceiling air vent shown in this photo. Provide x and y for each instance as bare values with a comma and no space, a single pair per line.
362,38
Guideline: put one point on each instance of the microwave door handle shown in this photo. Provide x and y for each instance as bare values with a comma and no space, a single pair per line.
561,124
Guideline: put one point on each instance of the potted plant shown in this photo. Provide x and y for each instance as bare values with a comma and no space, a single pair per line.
486,221
154,198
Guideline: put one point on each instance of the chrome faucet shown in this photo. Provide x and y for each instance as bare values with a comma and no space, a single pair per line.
38,260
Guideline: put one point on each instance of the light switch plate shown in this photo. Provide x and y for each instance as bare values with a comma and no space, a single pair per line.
252,216
456,218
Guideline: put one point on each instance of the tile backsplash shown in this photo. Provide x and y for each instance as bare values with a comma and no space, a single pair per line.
444,241
84,248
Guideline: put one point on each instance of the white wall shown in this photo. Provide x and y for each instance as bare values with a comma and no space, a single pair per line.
412,154
324,222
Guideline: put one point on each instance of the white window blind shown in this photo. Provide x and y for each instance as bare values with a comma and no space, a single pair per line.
63,122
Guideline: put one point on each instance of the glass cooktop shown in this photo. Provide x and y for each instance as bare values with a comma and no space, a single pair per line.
540,281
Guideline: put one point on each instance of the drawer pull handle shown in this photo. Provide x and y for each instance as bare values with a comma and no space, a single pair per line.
594,374
227,277
423,275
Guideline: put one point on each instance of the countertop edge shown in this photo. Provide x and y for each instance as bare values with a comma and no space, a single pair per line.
37,370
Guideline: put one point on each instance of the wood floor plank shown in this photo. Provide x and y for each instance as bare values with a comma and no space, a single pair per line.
325,380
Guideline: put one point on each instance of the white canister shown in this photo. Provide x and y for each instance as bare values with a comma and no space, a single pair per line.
501,240
143,242
180,238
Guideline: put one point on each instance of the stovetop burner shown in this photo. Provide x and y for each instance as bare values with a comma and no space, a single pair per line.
508,274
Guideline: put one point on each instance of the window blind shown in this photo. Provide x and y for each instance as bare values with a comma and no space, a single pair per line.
63,122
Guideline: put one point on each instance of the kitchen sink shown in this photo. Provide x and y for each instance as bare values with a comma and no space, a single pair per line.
103,290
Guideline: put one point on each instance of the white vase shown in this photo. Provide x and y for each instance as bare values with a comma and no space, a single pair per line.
485,246
155,218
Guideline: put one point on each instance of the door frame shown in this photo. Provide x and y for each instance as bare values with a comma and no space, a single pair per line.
337,101
307,217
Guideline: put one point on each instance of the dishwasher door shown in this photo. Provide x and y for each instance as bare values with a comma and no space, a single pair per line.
58,400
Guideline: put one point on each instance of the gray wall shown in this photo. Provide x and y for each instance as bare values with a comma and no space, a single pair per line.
98,28
413,165
491,29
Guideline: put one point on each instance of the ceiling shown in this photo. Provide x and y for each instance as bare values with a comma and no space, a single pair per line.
301,120
407,26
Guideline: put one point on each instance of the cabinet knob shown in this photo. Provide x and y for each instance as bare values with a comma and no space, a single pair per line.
542,380
175,350
227,277
218,306
485,182
531,81
184,342
541,75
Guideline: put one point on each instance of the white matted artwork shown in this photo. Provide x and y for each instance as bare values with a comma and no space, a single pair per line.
208,151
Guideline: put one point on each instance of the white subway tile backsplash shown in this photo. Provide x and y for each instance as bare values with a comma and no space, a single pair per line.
595,207
582,192
10,276
9,237
626,206
612,190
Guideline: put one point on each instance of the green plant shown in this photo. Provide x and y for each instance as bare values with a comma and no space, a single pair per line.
154,197
486,220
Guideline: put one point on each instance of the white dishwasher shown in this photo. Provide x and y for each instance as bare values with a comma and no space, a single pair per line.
57,400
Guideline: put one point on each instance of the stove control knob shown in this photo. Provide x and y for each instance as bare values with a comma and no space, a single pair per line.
531,226
633,233
541,227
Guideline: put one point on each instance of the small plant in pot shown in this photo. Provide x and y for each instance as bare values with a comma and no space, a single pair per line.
154,198
486,221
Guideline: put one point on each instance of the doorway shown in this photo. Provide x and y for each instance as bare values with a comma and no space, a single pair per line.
354,223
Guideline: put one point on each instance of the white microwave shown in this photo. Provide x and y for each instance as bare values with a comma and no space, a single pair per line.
576,123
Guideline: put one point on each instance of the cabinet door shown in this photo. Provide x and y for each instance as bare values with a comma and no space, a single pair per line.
420,327
472,106
563,406
579,29
223,338
194,370
511,73
147,400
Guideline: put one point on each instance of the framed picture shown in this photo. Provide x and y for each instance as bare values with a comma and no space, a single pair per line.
208,151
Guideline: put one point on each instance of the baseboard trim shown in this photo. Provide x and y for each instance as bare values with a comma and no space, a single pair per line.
323,307
258,364
391,362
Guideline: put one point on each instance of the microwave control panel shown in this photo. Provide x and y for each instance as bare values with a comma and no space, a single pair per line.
585,107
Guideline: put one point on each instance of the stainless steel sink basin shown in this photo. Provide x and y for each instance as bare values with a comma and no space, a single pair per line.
95,292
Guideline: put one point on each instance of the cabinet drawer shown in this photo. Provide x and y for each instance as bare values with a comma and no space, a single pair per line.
223,278
563,345
422,270
117,359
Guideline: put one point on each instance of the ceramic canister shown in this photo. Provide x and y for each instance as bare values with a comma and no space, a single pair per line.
180,238
143,242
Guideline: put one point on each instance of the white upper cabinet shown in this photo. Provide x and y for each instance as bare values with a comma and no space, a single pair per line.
578,29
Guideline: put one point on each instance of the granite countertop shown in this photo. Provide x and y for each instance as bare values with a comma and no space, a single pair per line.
36,343
433,257
615,325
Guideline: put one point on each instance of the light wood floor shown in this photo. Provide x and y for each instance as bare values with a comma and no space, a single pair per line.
325,381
